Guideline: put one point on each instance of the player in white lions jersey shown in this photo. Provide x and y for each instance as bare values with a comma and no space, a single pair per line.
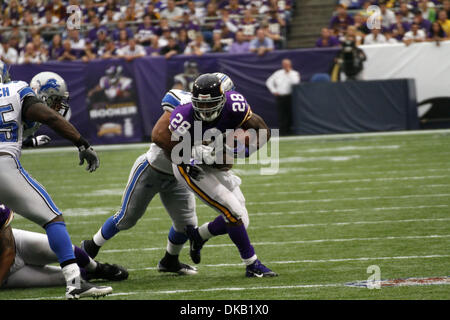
151,174
23,194
33,258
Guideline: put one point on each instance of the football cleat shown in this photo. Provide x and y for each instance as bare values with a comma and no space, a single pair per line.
196,243
178,268
90,247
107,271
85,290
258,270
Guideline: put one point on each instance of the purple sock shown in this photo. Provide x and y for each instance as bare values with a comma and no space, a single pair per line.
239,236
81,257
218,226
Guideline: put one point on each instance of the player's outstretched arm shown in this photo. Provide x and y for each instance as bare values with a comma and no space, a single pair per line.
161,134
7,252
257,123
35,110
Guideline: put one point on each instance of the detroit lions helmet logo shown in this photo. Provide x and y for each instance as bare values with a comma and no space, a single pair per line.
50,84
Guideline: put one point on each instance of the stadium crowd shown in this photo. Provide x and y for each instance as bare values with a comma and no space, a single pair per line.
35,31
398,22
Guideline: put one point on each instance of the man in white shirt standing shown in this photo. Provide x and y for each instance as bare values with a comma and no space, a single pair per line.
280,85
131,51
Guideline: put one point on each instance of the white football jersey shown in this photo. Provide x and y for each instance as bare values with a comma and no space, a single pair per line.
11,122
155,155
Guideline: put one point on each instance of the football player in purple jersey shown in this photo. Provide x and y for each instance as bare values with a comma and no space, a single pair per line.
213,109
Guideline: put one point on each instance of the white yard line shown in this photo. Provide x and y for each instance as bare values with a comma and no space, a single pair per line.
290,242
294,286
293,138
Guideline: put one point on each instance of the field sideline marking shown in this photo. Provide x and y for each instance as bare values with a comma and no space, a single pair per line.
290,242
293,138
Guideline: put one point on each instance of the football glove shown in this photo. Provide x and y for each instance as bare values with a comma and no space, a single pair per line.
193,170
90,156
203,154
38,141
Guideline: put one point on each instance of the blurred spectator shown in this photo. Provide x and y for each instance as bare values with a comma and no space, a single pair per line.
109,50
390,37
280,85
68,53
400,27
191,27
131,51
375,37
39,47
248,25
145,31
198,46
90,52
275,26
163,40
436,33
341,20
353,35
173,13
8,54
101,39
76,41
234,8
424,24
171,49
387,15
13,11
226,35
428,11
123,39
58,9
153,12
446,7
110,17
153,49
218,45
195,12
444,21
121,25
414,35
361,23
183,39
240,45
225,20
96,26
326,40
404,12
47,24
56,48
261,44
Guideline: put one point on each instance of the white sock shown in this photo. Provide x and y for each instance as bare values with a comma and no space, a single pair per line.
98,238
250,260
174,249
204,232
72,274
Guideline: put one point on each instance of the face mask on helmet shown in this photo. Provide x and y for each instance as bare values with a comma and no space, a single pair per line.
208,110
58,103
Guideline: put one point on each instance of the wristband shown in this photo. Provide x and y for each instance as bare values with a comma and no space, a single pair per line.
82,142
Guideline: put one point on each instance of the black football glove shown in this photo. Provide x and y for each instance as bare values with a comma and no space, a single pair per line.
193,170
86,152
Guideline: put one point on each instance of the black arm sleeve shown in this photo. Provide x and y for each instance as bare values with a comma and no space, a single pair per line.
27,102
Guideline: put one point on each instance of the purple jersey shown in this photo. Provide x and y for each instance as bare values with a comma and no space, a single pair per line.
234,113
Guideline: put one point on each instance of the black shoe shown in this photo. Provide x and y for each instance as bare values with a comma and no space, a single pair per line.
258,270
107,271
178,268
86,289
90,247
196,243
